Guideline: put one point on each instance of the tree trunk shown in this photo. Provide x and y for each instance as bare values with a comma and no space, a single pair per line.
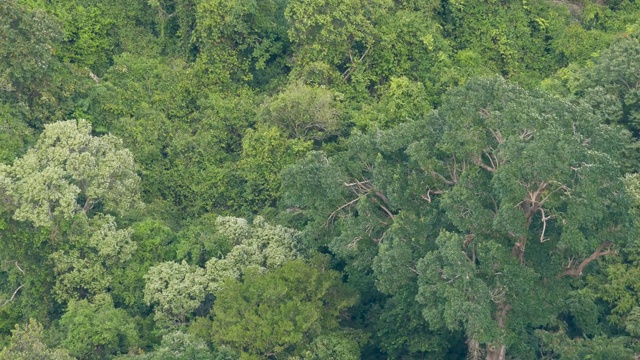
496,353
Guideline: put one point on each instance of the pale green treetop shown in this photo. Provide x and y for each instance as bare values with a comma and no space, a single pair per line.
69,171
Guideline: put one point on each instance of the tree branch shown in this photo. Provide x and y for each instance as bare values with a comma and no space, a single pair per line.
602,250
435,174
497,135
13,296
333,214
87,205
544,224
347,73
478,161
22,271
427,196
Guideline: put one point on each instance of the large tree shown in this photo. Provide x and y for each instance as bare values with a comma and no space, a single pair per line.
64,195
485,209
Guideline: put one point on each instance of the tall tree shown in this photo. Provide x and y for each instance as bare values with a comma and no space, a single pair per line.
519,190
70,186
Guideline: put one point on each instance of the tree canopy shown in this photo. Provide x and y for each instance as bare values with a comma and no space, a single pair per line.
319,179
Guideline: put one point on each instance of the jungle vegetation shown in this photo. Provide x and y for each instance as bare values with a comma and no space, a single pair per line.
319,179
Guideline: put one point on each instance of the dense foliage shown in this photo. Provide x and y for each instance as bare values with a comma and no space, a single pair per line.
319,179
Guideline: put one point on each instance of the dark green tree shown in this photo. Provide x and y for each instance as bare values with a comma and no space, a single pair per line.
519,190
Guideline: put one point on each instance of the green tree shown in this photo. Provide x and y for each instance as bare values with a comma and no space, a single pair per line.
515,37
402,100
281,311
199,241
521,191
265,152
333,346
182,346
242,40
154,244
36,86
338,33
96,330
27,38
560,346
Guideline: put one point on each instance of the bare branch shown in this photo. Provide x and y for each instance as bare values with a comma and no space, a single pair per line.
357,182
333,214
427,196
347,73
387,211
94,77
561,187
88,204
364,187
357,186
494,164
22,271
544,224
478,161
13,296
497,135
526,134
435,174
354,243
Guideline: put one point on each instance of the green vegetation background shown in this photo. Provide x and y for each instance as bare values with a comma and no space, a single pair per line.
319,179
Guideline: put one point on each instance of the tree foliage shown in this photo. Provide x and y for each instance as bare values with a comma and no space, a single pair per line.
319,179
279,312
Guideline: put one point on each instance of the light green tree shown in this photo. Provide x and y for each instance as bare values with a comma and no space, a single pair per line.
67,173
64,185
258,247
178,289
304,112
27,344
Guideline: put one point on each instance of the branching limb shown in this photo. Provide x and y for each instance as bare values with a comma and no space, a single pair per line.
492,159
526,134
88,205
364,187
497,135
435,174
602,250
347,73
333,214
478,161
427,196
544,224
